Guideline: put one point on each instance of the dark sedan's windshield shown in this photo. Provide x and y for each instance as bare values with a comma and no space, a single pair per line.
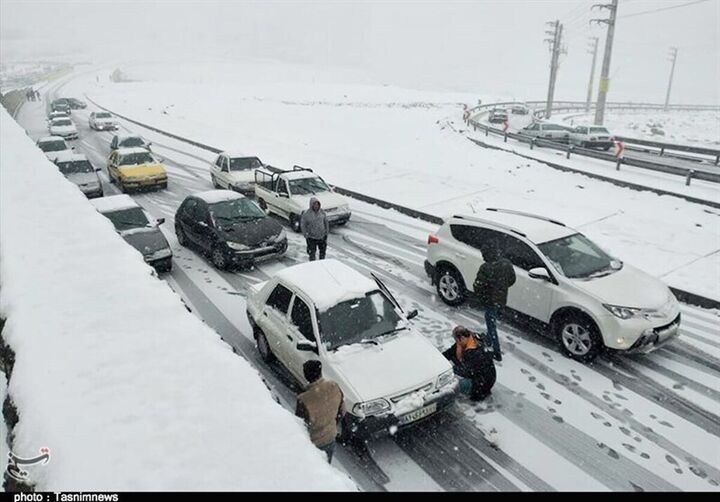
75,167
227,212
130,159
244,163
307,186
53,146
127,219
577,257
132,141
358,320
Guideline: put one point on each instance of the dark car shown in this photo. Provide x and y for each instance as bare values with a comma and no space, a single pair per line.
60,106
230,228
129,142
133,225
76,104
497,116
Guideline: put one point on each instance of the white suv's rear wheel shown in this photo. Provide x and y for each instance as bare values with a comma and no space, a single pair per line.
450,286
579,338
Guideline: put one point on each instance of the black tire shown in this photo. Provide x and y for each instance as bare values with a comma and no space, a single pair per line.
219,260
295,223
578,337
266,353
181,237
450,286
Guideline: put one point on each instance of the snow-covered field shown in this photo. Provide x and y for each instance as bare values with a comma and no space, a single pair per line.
398,145
127,389
697,128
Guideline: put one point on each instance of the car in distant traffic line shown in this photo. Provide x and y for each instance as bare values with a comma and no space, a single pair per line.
52,146
102,121
63,127
76,104
129,142
548,131
57,115
138,229
235,172
288,194
78,169
583,297
230,228
587,136
519,109
391,376
60,106
136,168
497,116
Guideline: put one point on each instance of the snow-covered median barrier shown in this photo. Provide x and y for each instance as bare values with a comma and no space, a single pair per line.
127,389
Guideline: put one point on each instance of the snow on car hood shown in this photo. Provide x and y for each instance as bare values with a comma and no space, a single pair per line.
242,176
83,178
400,364
628,287
146,240
328,200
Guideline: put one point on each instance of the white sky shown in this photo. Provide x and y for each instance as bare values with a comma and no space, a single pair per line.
485,46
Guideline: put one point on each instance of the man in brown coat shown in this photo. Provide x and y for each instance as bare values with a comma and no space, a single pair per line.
321,406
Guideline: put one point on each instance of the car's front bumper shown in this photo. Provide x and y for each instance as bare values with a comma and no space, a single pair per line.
161,261
363,428
248,256
655,337
106,127
639,334
92,192
338,218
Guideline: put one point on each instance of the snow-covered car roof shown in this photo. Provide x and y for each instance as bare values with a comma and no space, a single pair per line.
50,138
134,149
327,282
129,136
113,203
69,156
233,154
536,228
214,196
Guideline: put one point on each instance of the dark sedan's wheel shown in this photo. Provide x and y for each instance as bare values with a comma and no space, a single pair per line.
578,337
263,346
219,259
450,286
295,223
180,233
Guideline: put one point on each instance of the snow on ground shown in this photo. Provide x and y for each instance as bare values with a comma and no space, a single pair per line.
697,128
127,389
395,144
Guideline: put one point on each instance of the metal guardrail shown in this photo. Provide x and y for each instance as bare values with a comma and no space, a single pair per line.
570,150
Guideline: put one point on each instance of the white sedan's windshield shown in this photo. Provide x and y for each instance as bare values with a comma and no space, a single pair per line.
308,186
358,321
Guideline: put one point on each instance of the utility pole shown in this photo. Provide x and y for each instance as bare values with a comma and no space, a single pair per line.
673,58
605,75
592,72
554,42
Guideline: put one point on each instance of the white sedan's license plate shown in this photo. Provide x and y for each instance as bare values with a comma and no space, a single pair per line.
418,414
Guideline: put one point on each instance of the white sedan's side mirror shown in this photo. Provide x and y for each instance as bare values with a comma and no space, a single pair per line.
539,273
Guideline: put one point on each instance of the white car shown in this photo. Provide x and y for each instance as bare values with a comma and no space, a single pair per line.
102,121
591,137
52,146
78,169
545,130
390,375
63,127
57,115
288,194
235,172
587,298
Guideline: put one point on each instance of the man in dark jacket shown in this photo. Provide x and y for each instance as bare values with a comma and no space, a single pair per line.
472,361
492,282
315,228
321,406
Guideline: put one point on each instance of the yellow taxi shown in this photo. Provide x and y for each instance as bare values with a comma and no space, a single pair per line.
136,168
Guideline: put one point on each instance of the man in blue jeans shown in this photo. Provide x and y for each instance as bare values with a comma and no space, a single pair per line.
492,282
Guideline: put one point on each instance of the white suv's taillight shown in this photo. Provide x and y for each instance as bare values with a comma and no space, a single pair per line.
432,239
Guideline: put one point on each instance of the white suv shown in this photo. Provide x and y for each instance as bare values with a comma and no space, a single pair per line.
587,298
390,375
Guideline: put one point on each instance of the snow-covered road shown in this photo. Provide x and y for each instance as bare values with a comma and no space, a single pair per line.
624,423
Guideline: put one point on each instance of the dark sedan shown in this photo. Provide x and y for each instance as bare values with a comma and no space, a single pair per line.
228,227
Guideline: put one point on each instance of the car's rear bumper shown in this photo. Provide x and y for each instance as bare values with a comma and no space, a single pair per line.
149,184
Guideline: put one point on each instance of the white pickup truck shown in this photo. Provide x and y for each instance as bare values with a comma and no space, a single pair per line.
288,194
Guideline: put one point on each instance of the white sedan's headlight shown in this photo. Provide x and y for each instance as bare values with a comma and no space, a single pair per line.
446,378
237,246
630,312
369,408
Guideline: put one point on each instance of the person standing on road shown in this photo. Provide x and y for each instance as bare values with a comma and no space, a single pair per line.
472,361
321,406
315,228
492,282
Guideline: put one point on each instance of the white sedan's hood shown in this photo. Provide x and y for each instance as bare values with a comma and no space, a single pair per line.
82,179
628,287
400,364
242,176
328,200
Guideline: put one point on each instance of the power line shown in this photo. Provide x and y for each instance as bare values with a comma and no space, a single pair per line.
661,9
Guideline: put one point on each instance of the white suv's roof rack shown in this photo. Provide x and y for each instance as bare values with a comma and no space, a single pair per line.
488,222
529,215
